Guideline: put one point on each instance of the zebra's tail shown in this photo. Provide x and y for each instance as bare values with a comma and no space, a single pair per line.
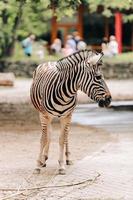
34,74
35,71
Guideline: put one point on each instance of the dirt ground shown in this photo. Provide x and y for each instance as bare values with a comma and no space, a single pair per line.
120,90
19,147
19,141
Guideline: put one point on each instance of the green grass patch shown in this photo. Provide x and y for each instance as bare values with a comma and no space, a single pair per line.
19,55
121,58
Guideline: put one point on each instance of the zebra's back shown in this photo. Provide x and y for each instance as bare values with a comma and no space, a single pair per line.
48,91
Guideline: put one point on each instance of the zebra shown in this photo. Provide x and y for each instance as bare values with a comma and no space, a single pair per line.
54,94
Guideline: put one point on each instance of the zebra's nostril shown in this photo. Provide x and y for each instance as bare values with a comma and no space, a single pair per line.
107,101
108,98
101,103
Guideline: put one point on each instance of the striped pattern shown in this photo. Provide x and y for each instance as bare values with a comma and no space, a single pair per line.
55,84
54,93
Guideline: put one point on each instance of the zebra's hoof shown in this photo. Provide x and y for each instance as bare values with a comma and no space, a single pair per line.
37,171
69,162
46,158
62,171
44,165
41,164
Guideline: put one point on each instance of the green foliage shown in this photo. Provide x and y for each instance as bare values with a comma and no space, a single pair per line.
65,8
128,18
117,4
20,17
35,18
120,58
110,6
10,15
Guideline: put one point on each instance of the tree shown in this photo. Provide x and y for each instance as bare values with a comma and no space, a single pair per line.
20,17
10,15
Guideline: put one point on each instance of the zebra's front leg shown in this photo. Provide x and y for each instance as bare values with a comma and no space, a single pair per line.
45,139
63,142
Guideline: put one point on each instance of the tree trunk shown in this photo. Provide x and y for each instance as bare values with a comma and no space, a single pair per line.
10,46
132,37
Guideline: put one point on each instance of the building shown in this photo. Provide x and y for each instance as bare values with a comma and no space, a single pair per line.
93,27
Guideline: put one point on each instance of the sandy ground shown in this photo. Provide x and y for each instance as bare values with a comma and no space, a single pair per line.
120,90
19,147
19,143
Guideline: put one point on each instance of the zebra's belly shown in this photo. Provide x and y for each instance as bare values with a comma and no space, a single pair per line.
59,109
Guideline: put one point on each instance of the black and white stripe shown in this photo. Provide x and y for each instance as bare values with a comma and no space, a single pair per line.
55,84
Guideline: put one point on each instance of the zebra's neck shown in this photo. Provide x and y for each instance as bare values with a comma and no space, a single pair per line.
72,61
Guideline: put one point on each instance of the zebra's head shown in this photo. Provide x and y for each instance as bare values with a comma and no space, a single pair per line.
93,83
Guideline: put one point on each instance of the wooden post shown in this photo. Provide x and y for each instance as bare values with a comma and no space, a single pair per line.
118,30
106,32
53,27
65,34
132,37
80,21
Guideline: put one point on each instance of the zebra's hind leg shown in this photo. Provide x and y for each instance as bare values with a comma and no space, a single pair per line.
63,142
45,139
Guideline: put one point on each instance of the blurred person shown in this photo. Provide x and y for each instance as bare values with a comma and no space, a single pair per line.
67,50
81,45
113,46
76,36
71,42
40,52
104,47
27,44
56,46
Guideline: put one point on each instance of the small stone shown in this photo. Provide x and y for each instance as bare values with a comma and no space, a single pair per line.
37,171
62,171
7,79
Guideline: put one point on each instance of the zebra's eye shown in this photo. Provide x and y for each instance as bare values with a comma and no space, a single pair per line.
98,77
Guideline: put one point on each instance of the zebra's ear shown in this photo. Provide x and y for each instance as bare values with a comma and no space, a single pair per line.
94,59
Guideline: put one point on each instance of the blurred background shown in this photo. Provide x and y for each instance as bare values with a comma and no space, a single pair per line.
48,20
52,22
36,31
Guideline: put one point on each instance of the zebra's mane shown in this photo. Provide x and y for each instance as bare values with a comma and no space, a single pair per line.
74,58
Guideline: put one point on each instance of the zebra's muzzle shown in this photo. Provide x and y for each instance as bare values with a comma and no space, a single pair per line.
105,102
